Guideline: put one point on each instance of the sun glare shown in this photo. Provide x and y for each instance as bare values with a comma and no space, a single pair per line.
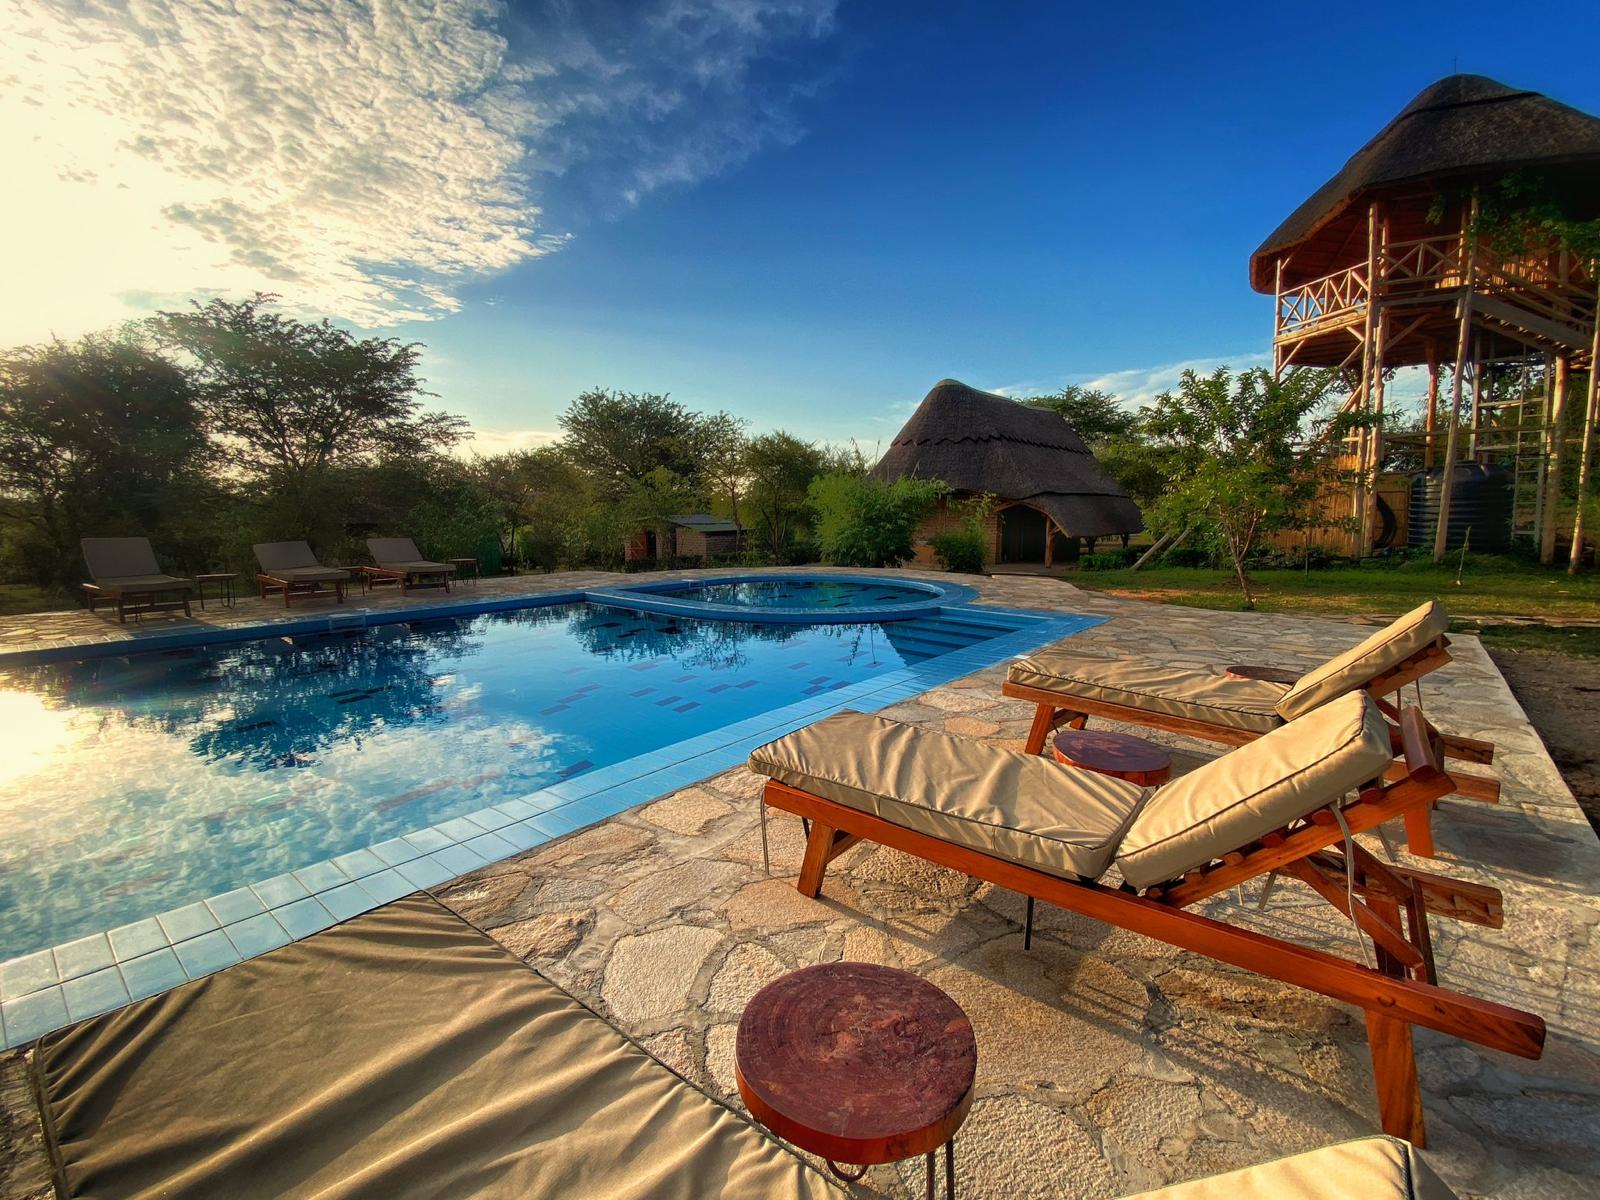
34,734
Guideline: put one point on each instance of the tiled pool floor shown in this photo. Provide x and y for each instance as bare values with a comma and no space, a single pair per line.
140,957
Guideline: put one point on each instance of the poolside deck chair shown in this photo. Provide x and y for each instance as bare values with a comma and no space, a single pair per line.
1069,687
402,1055
124,572
401,563
1277,804
291,568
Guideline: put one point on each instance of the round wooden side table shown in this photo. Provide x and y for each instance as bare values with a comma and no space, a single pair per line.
858,1064
1120,755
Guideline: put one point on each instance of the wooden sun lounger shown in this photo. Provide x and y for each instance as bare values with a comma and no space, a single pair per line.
1056,709
291,568
125,573
398,561
1391,909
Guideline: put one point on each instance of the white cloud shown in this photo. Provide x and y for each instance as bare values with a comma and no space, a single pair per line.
503,441
1137,386
364,158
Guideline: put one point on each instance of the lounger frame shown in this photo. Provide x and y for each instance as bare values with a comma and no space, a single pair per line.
141,600
1392,909
304,588
406,580
1056,709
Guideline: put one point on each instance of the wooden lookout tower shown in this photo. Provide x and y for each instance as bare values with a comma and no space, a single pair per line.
1387,266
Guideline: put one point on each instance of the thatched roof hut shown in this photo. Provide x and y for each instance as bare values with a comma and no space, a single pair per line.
984,444
1461,130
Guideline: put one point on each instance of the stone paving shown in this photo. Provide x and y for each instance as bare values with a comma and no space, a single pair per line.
1108,1063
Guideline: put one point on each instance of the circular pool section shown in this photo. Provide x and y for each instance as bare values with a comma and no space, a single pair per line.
809,599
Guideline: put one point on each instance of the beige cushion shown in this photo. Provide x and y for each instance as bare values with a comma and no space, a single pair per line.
1356,668
119,558
1250,791
310,574
1246,704
128,585
1001,802
401,1055
1373,1168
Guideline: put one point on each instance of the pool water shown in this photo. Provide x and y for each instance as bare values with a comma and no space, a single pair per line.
802,593
142,782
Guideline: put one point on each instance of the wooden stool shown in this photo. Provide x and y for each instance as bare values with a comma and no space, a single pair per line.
858,1064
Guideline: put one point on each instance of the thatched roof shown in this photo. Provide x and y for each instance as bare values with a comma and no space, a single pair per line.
982,443
1464,127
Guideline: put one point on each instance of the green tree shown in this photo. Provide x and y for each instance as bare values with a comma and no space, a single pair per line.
1096,416
98,436
966,547
621,437
653,501
1242,456
293,402
722,459
861,522
781,468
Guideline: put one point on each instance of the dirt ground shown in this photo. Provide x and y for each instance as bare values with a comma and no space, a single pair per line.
1561,695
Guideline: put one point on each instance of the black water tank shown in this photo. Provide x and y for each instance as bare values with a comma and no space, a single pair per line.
1480,499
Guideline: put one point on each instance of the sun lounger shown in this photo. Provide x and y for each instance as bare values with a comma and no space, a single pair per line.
401,563
1277,804
1069,687
124,571
291,568
1369,1168
400,1055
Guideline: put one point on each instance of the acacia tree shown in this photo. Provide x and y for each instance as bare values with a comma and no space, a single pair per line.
99,436
722,463
780,468
621,437
1241,455
1096,416
291,402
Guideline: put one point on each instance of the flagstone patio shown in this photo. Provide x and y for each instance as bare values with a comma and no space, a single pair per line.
1108,1063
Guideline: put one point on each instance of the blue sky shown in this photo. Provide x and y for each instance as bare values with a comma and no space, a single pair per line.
803,211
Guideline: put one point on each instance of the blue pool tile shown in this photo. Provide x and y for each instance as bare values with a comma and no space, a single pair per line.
491,846
556,822
30,973
36,1013
90,995
256,935
515,810
425,873
387,885
303,917
319,877
345,902
190,921
488,820
359,863
396,851
280,890
202,955
141,937
458,829
151,973
83,956
459,859
235,905
428,840
523,836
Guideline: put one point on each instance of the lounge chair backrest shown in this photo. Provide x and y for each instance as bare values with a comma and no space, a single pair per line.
119,557
285,556
1356,668
1264,785
393,550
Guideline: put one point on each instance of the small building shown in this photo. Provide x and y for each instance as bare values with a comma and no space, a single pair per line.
1051,497
690,535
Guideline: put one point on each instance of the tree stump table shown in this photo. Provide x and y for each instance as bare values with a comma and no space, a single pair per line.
1120,755
858,1064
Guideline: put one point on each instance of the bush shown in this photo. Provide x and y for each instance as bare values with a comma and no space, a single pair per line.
540,546
961,550
1111,560
863,523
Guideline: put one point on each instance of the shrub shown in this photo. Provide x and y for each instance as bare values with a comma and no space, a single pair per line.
961,550
863,523
1111,560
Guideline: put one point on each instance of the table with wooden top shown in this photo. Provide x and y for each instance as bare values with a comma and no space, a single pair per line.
224,581
1265,674
461,565
858,1064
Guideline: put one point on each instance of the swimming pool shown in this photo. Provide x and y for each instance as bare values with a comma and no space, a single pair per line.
794,599
172,811
831,594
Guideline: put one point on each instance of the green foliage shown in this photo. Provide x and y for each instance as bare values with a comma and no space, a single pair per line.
966,547
1236,453
620,437
1096,416
861,522
1111,560
1525,214
780,468
99,436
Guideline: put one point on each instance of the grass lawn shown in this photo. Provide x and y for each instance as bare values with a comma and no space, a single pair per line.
1488,588
19,598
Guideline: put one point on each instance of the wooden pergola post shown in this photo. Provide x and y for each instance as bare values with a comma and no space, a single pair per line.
1369,367
1555,450
1441,533
1433,404
1591,415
